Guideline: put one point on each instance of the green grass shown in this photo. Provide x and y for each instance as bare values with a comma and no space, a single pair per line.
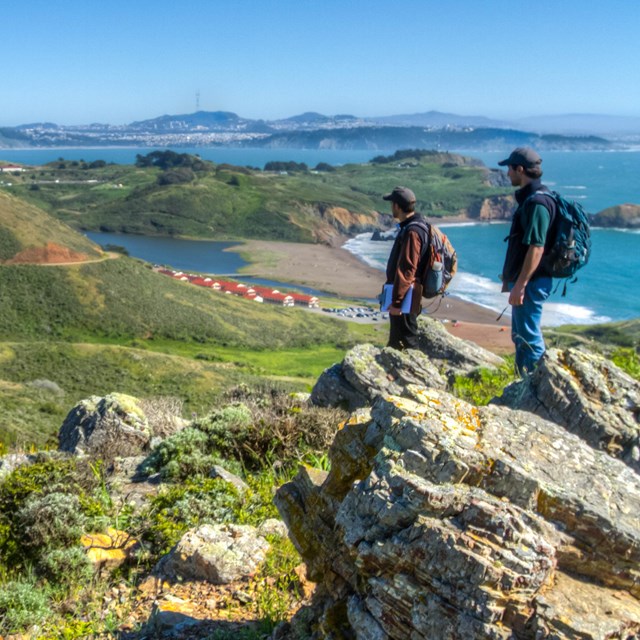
23,225
122,299
33,410
599,337
224,203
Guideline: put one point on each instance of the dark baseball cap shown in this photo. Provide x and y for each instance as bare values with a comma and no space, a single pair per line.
522,156
401,196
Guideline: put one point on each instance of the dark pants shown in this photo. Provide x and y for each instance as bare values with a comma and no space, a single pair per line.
403,332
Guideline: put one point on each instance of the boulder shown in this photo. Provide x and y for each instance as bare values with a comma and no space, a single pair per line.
440,520
367,372
587,395
110,426
452,355
219,554
11,461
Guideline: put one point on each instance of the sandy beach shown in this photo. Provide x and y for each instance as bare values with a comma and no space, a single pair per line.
339,272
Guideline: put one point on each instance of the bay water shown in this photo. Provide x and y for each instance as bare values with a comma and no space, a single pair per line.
607,288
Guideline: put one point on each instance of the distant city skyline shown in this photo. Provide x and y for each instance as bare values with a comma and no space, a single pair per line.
81,61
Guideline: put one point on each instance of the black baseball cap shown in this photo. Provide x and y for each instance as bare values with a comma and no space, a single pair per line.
522,156
401,196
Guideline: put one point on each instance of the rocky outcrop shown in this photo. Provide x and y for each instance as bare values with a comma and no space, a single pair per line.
586,394
367,371
451,354
219,554
622,216
440,520
492,208
110,426
331,224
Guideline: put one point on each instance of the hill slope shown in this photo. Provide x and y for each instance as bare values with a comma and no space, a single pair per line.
223,201
27,233
123,299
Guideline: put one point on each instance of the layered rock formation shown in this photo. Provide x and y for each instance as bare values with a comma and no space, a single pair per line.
589,396
440,520
367,371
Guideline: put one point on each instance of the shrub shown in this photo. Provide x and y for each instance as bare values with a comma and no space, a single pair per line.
179,175
66,567
22,604
163,414
51,521
47,475
184,455
484,384
627,359
180,508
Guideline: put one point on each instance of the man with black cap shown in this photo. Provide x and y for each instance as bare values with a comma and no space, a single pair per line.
402,266
523,275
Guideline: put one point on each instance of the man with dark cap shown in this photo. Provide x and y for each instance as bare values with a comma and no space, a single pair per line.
523,275
401,269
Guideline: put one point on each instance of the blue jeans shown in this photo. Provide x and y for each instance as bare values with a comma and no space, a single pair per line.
525,324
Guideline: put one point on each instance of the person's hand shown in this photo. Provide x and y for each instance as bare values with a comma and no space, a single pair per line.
395,311
516,295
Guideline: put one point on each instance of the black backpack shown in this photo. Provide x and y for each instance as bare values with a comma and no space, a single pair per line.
571,238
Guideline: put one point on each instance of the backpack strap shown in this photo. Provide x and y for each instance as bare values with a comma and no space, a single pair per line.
425,245
551,195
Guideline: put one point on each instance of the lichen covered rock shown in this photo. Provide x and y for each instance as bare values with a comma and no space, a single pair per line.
110,426
219,554
443,520
368,372
587,395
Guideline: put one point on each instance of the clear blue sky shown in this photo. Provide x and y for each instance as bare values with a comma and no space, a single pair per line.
82,61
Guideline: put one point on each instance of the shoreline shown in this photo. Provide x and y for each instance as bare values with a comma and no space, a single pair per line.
339,272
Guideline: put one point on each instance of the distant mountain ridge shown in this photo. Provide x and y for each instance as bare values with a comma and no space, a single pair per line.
343,131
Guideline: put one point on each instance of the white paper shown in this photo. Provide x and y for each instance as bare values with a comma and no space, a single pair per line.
387,293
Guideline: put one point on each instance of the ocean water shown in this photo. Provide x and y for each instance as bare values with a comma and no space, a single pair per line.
606,289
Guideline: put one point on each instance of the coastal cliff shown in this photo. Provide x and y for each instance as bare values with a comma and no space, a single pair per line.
622,216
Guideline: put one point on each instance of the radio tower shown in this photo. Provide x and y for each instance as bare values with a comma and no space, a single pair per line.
197,100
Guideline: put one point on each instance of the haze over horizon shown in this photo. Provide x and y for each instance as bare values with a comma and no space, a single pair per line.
77,62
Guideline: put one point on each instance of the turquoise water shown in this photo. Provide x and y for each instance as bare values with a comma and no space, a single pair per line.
596,179
606,289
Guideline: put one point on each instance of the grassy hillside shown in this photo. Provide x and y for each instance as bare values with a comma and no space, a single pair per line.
600,336
222,201
68,331
123,299
40,382
23,226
